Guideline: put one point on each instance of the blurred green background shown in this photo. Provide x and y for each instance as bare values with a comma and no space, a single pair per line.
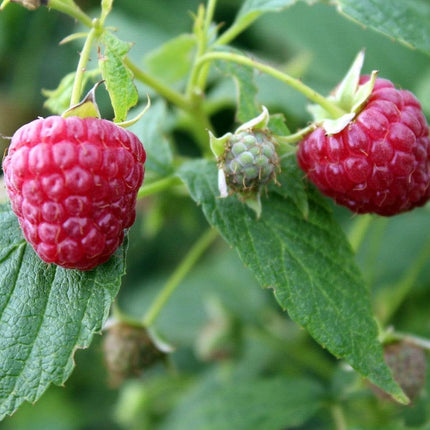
312,42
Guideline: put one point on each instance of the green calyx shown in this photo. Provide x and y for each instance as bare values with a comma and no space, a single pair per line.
87,107
349,96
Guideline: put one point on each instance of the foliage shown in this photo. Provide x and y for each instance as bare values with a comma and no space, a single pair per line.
282,323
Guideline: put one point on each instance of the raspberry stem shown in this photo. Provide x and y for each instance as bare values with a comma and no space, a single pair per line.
334,110
179,274
295,137
202,23
388,305
168,93
358,231
338,417
158,186
82,64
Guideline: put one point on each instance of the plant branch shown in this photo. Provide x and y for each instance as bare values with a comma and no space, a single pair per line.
338,417
163,90
234,31
359,230
295,137
298,85
397,293
179,274
210,10
82,64
199,122
158,186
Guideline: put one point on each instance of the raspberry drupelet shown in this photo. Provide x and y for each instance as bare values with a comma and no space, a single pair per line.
380,162
72,183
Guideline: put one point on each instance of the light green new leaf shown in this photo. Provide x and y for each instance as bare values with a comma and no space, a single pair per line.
406,21
247,107
172,61
118,78
309,264
257,403
46,314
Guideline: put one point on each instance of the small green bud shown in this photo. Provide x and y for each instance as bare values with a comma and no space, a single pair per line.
250,160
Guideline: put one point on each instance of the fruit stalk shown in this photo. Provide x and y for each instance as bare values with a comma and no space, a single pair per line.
179,274
308,92
82,64
157,186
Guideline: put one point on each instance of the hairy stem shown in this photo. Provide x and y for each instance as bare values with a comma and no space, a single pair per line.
168,93
338,417
179,274
359,230
234,31
83,61
398,292
210,10
158,186
298,85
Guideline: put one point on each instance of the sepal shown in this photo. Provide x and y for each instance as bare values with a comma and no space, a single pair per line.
87,108
350,96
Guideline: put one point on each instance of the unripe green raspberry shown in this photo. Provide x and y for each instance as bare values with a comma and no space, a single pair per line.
250,160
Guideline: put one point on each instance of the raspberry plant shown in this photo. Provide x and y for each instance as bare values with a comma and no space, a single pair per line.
190,339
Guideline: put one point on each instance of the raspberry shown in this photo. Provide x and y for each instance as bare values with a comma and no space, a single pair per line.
250,160
128,350
73,183
380,162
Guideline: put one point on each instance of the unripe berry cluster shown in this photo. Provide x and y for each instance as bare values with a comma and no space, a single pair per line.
250,160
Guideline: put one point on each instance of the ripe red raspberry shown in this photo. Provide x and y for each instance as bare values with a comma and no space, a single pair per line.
73,182
380,162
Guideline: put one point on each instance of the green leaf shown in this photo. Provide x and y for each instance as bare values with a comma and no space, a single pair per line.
173,60
46,314
291,184
270,404
243,76
406,21
58,100
277,125
150,130
118,78
308,263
